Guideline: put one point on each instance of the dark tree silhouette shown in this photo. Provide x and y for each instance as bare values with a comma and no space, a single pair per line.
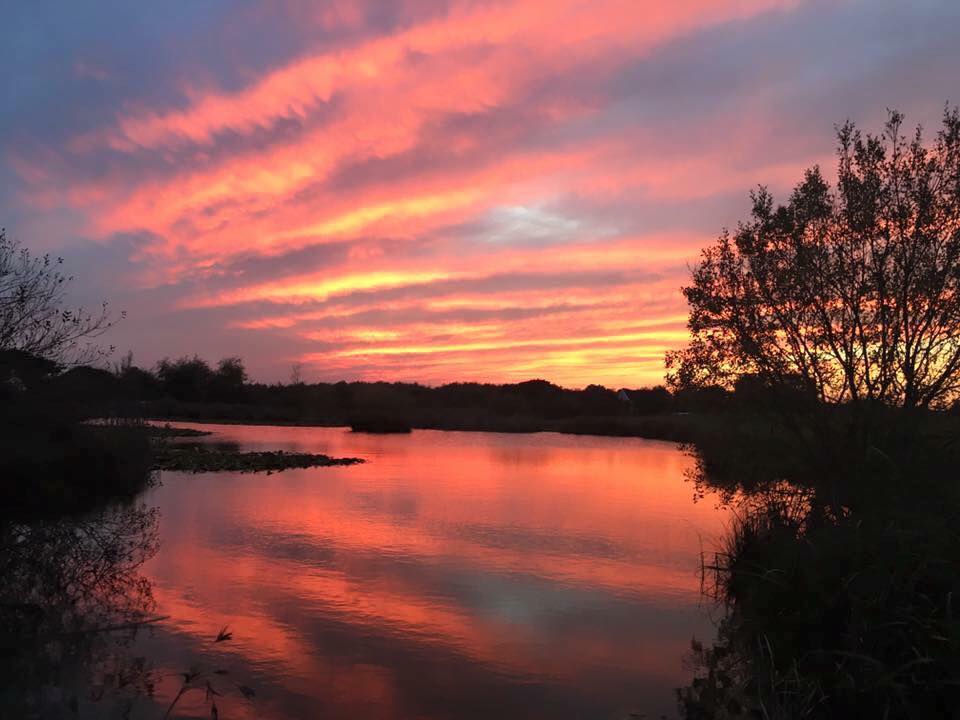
186,378
33,315
228,380
232,372
849,293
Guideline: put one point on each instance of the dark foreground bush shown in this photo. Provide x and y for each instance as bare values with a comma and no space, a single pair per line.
833,613
54,467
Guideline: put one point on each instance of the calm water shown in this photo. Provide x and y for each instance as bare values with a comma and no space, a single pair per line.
452,575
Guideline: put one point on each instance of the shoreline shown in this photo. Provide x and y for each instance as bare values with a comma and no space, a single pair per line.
683,429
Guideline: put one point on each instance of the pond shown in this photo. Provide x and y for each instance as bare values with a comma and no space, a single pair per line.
452,575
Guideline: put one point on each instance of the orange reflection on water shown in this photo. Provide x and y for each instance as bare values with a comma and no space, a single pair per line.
557,573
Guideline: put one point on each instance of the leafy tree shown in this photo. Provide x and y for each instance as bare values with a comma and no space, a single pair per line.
186,378
848,293
228,379
33,316
192,379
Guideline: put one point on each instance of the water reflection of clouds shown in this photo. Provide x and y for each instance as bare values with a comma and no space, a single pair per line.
438,575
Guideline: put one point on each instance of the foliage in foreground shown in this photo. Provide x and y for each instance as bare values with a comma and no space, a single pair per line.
833,612
52,467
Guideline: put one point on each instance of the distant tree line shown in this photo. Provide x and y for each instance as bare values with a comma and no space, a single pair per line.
192,388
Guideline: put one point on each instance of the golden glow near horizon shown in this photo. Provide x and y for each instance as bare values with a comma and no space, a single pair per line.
485,191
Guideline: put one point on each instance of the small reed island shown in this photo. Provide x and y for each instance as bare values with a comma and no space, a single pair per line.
198,458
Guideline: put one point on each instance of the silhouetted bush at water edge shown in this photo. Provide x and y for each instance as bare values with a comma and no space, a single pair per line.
56,467
832,612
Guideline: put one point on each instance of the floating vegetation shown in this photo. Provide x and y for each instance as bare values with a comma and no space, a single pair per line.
198,459
167,431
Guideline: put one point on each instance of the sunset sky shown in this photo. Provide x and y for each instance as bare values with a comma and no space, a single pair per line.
429,190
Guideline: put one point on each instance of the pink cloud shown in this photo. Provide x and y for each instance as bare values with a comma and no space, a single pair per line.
430,135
